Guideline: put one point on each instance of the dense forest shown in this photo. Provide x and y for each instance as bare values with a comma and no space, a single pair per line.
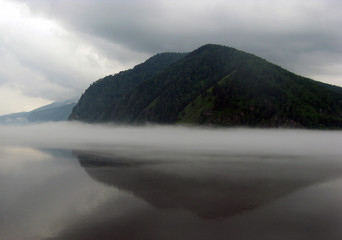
213,85
99,100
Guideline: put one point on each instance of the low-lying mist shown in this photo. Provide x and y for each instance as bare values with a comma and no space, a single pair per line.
71,180
75,135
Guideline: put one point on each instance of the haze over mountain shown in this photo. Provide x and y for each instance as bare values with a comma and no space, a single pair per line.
54,112
212,85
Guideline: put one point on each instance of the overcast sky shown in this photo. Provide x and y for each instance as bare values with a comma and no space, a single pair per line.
53,49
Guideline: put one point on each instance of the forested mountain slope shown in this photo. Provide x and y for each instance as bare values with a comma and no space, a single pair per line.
213,85
99,100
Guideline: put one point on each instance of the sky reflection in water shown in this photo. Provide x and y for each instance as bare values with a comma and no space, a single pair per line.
113,191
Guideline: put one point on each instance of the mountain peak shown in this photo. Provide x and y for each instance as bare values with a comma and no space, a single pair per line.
212,46
212,85
212,49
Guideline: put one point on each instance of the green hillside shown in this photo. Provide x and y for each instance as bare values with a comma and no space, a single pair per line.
99,100
214,85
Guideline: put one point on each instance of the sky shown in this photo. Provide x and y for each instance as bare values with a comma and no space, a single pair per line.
52,50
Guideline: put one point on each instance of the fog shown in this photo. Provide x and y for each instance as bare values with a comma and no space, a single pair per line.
71,180
80,136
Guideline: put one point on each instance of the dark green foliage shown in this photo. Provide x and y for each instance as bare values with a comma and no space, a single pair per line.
161,98
99,100
262,94
213,85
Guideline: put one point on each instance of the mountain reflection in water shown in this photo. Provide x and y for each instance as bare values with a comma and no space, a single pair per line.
219,186
217,197
72,181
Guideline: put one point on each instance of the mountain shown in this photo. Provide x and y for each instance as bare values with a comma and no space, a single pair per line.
213,85
57,111
98,101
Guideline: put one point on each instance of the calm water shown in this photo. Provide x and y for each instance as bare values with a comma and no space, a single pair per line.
169,183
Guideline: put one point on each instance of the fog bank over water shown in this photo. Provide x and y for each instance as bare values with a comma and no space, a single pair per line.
74,135
75,181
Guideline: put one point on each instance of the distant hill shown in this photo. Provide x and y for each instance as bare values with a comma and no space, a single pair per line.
213,85
57,111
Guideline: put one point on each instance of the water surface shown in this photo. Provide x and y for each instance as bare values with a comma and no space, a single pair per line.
169,183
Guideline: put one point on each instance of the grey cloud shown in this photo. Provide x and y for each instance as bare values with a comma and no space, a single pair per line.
279,31
39,58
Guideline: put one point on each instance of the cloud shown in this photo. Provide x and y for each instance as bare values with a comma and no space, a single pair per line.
290,33
15,101
66,45
41,59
